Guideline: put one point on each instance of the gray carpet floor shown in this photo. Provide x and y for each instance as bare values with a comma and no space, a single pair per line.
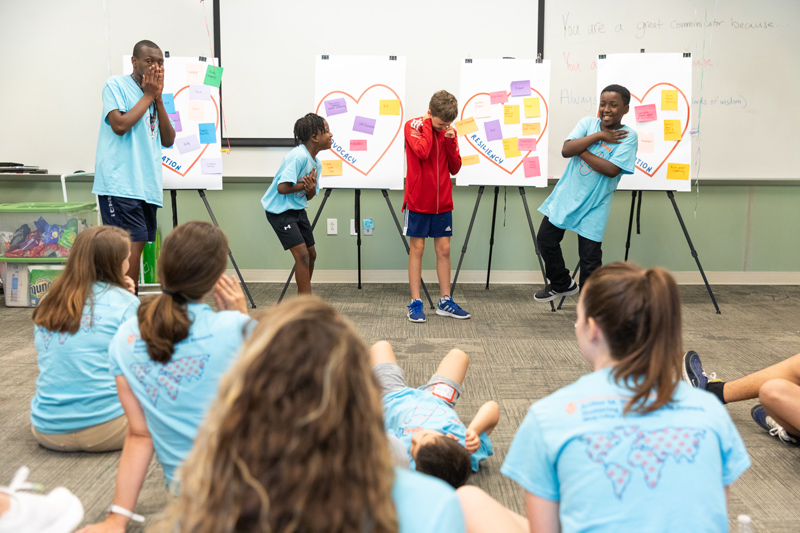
520,351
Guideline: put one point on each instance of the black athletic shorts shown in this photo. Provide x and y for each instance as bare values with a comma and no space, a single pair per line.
136,216
292,228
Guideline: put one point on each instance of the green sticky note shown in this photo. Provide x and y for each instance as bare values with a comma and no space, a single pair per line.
213,76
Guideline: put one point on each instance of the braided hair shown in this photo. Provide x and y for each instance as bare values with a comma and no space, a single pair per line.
307,127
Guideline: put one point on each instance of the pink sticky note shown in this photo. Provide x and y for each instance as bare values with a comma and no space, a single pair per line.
531,166
645,113
499,97
526,145
647,141
480,108
358,145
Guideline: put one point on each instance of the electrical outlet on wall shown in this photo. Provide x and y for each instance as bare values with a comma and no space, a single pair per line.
352,226
333,228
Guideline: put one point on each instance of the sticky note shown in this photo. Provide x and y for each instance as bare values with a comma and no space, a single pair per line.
510,147
465,127
470,159
337,106
521,88
530,165
364,125
645,113
531,128
176,122
677,171
647,142
199,92
332,167
480,108
169,103
368,223
197,110
213,76
669,100
493,131
195,73
358,145
211,165
532,109
389,107
498,97
187,144
672,130
207,134
527,144
510,114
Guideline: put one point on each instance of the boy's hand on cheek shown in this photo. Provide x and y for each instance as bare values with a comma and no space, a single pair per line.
450,133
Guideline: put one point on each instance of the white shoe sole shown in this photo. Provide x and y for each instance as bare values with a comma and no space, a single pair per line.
440,312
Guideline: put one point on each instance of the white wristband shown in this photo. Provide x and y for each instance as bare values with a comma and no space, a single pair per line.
116,509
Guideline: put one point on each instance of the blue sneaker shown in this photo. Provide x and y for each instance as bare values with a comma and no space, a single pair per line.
447,307
415,312
776,430
693,372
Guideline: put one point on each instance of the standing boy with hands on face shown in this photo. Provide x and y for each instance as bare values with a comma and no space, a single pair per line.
133,128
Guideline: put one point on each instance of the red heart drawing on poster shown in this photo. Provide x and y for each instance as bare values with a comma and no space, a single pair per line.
686,124
196,159
399,125
541,133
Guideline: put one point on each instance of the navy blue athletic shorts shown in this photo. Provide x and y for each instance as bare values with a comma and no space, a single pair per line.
136,216
426,225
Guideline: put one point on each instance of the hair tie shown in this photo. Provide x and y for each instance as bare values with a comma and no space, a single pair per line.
176,296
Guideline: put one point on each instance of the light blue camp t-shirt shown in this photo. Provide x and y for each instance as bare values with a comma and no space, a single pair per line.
425,504
664,471
295,165
410,411
75,389
175,397
581,200
128,165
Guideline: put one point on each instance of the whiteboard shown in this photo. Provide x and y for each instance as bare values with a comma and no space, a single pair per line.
504,103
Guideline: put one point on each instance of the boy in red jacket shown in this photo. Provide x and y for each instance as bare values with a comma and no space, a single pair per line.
431,157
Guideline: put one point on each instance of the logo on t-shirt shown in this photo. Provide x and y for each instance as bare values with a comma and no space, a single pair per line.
156,377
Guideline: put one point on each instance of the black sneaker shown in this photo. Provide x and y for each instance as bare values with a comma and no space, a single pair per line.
549,294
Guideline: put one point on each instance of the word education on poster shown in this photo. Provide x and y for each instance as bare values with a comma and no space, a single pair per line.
660,113
191,98
502,123
363,100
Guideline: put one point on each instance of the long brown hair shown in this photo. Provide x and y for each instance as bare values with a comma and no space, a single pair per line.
96,255
192,259
639,312
295,440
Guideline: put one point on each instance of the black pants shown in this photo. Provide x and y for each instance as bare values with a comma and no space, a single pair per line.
591,256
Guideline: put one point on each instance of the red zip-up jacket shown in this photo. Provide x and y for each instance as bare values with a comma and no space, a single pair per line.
430,160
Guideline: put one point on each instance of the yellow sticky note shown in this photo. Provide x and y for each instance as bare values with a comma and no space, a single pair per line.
511,146
677,171
531,128
672,130
511,114
532,108
390,107
465,127
332,167
669,100
470,160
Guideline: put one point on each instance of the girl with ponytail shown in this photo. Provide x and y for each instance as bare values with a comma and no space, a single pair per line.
168,362
629,447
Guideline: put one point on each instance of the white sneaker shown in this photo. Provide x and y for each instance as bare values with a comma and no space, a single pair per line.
60,511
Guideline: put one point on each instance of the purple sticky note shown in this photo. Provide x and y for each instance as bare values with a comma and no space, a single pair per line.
531,166
199,92
211,165
187,144
176,121
493,130
645,113
499,97
526,145
521,88
358,145
364,125
337,106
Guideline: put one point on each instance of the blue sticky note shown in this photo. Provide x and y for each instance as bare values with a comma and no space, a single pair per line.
368,224
169,103
207,135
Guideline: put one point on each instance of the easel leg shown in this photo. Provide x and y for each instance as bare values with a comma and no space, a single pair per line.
535,241
358,232
405,242
630,225
313,225
466,240
174,196
691,247
491,236
202,194
574,273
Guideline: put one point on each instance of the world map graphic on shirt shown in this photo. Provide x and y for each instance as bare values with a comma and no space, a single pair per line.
156,376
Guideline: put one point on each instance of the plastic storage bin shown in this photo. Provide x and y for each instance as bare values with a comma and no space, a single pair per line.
42,230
